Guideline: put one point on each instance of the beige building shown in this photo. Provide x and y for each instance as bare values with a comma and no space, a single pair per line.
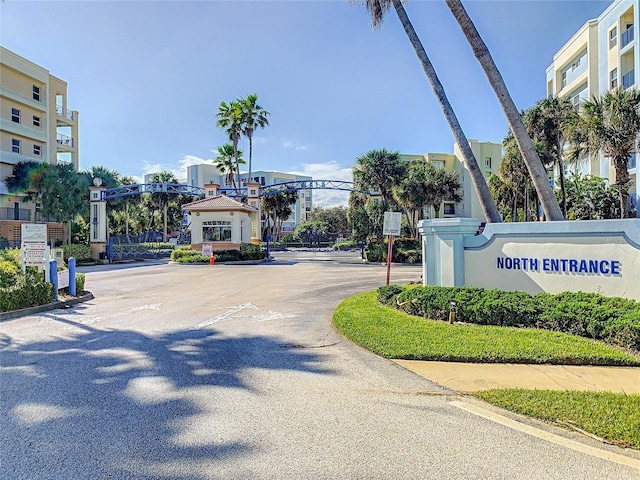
36,124
488,155
600,56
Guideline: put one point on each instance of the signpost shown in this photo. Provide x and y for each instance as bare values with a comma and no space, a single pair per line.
391,226
33,247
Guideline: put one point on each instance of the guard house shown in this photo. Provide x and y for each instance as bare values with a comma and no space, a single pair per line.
221,221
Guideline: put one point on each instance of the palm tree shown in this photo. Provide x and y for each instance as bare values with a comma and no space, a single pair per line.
230,119
378,170
161,200
549,122
378,9
610,125
534,165
441,185
253,116
225,163
411,193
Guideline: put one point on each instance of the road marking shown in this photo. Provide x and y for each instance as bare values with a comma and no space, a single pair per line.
226,315
550,437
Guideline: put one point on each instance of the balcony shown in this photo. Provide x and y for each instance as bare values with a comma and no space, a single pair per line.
627,37
628,79
64,140
21,214
45,218
65,113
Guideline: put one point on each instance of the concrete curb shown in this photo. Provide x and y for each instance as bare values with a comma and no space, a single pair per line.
4,316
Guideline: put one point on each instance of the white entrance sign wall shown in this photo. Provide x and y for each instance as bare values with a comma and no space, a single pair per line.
592,256
392,223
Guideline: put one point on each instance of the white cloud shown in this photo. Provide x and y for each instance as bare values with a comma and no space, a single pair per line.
259,140
327,171
295,146
179,169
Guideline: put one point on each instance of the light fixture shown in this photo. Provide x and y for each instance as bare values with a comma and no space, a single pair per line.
97,182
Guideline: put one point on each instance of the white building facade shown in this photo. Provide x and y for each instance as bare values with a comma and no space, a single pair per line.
602,55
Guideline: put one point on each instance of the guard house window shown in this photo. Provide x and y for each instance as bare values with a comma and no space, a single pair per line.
15,145
36,121
613,37
36,93
15,115
487,162
216,231
613,78
36,149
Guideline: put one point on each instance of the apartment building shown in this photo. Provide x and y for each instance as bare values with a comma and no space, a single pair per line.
602,55
35,124
488,156
199,175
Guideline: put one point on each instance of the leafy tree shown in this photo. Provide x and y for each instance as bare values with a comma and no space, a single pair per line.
534,165
334,217
230,119
610,125
225,162
378,170
549,122
441,185
378,9
589,198
253,117
160,200
358,217
276,208
515,175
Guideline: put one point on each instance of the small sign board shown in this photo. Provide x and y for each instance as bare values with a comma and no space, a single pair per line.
34,233
63,279
33,247
392,223
207,250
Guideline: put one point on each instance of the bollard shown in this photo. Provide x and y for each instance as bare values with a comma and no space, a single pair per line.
72,277
53,276
212,260
452,311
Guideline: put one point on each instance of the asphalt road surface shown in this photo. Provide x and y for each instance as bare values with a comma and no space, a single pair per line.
235,372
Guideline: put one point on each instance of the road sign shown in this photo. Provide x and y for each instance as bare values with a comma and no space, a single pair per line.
33,246
392,223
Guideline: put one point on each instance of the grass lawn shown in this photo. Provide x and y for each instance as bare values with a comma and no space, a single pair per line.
394,334
614,417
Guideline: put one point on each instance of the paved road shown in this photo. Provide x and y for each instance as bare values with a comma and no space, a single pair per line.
234,372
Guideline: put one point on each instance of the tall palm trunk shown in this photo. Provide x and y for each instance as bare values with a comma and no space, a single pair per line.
486,200
250,137
534,165
622,183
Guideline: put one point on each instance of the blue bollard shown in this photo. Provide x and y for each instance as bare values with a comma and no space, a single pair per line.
72,277
53,277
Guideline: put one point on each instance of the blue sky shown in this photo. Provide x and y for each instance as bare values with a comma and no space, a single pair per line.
147,77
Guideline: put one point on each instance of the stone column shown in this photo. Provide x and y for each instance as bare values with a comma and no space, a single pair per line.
97,219
253,200
443,249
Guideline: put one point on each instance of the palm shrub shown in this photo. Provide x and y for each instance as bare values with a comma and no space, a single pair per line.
82,253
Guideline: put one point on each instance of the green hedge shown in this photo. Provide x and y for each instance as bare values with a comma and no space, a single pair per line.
611,319
82,253
247,251
27,291
404,251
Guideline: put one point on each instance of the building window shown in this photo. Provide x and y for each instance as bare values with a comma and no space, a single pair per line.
575,65
15,145
613,37
613,78
216,231
563,82
15,115
36,93
36,149
36,121
449,209
438,165
487,162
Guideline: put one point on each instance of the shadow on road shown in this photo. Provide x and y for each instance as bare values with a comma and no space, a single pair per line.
114,404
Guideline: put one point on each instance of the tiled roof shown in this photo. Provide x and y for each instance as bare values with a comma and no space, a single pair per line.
219,202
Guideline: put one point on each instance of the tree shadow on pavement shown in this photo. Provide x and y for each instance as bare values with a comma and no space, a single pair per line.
115,404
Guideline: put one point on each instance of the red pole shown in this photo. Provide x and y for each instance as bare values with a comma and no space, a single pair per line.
389,254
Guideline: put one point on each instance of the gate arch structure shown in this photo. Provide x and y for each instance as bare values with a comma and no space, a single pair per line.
99,196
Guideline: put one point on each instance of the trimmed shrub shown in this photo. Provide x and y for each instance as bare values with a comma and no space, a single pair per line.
28,291
611,319
9,272
188,255
80,282
82,253
249,251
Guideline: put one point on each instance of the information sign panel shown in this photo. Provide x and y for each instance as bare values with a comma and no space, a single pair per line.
392,223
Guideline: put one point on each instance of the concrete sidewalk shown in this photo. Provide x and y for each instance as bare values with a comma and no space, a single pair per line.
472,377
